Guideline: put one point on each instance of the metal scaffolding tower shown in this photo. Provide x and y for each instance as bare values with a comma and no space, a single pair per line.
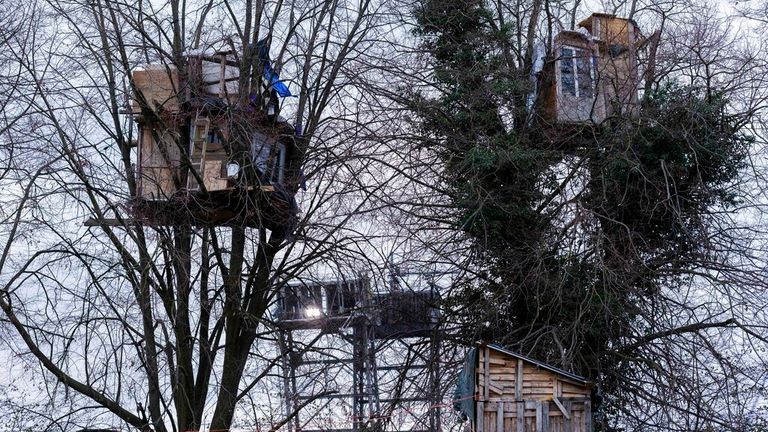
371,358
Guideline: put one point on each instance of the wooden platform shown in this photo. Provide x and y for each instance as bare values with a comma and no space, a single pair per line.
262,206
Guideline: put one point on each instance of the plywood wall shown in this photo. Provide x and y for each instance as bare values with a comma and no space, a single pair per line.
159,161
159,84
213,174
619,84
612,30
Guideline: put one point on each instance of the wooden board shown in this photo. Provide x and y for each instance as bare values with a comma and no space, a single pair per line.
212,175
614,31
159,84
159,162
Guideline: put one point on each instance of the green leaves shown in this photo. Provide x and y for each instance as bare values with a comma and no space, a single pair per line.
660,178
479,160
576,228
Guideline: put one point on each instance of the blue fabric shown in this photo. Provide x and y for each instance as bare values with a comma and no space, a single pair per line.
463,397
274,82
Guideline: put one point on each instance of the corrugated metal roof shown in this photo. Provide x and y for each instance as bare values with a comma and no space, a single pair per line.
565,373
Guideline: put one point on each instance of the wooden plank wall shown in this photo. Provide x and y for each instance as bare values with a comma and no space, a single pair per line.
538,416
521,397
159,84
158,163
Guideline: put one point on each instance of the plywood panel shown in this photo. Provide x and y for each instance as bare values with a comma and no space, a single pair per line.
212,175
614,30
156,183
159,84
159,161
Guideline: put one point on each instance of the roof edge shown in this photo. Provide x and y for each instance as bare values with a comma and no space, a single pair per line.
563,372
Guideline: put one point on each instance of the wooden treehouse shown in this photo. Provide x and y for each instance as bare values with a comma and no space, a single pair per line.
500,390
594,73
212,149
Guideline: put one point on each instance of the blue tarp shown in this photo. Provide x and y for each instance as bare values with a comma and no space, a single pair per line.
464,396
273,80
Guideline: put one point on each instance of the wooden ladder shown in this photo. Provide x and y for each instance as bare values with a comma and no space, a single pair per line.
197,149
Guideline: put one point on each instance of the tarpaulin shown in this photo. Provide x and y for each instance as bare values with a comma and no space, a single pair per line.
463,397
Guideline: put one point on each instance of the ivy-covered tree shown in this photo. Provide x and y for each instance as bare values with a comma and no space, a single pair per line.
492,168
575,230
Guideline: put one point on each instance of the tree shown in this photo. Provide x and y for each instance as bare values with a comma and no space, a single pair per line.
164,327
583,239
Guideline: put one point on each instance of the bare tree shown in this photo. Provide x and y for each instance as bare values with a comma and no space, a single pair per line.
675,358
159,324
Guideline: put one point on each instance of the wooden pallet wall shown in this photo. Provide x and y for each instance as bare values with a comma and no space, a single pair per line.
518,396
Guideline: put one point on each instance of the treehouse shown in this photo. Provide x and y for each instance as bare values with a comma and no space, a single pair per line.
593,75
499,390
209,151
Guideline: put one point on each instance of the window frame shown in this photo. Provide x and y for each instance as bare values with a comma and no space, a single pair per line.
577,53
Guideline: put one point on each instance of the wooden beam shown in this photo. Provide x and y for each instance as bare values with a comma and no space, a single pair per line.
500,417
519,380
539,416
561,407
486,372
495,388
567,423
520,420
480,414
588,415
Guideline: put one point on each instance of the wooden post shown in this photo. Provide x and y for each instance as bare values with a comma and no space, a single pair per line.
519,381
566,412
500,417
520,416
568,419
544,417
480,414
587,415
486,372
539,418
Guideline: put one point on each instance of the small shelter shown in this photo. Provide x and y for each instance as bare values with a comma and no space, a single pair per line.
211,150
500,390
593,75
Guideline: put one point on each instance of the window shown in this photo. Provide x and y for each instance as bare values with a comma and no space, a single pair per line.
269,156
576,72
567,78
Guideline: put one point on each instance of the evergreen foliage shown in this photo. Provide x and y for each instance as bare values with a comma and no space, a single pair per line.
653,183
